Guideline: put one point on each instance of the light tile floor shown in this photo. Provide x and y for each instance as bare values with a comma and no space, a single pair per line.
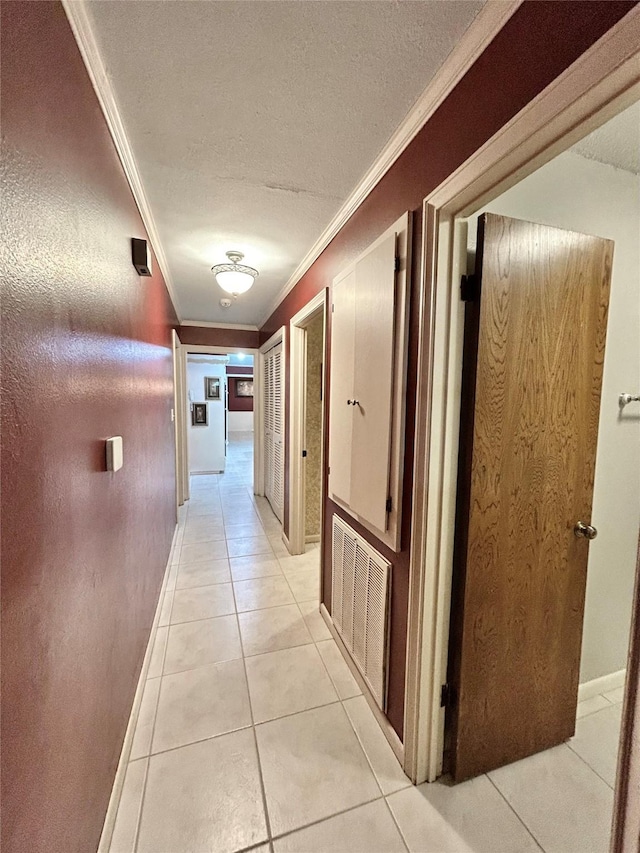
253,734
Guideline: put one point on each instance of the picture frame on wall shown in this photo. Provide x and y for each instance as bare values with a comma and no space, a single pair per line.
244,387
212,388
199,414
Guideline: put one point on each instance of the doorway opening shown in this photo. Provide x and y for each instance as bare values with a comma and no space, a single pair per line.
563,795
306,445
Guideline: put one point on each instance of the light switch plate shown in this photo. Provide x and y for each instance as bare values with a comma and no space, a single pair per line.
114,453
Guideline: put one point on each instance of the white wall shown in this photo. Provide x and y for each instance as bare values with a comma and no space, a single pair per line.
206,444
240,421
583,195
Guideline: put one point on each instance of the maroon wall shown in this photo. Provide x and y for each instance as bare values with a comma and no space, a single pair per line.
86,355
207,337
537,44
235,403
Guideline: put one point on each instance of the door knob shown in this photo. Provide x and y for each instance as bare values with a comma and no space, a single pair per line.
585,531
353,402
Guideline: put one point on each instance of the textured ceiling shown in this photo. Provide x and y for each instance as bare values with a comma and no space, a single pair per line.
251,122
617,142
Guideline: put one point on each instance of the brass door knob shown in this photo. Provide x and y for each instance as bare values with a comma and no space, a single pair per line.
585,531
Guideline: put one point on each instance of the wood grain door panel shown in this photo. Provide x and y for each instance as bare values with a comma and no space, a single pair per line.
532,408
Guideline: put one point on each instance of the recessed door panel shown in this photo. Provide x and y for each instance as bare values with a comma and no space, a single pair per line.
342,387
526,480
373,385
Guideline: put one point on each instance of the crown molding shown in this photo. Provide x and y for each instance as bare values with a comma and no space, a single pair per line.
81,26
487,23
204,325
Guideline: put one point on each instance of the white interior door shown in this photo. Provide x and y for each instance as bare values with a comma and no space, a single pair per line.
373,382
342,387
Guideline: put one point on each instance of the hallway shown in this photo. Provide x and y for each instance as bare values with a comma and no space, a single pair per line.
252,727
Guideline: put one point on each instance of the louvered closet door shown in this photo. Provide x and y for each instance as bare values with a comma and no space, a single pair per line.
274,430
268,425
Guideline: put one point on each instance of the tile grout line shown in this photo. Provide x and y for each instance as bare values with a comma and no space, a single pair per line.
153,730
255,736
530,831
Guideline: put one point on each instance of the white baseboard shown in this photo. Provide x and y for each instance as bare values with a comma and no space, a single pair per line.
116,791
287,544
310,540
601,685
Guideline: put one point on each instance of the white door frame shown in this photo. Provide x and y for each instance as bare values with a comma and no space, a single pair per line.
258,425
214,350
601,83
297,397
178,418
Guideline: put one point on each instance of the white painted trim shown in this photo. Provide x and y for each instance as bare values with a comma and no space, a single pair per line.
177,415
276,338
604,80
118,783
601,685
297,396
201,324
387,729
195,348
81,26
489,21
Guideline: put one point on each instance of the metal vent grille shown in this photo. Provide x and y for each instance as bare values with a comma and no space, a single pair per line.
360,604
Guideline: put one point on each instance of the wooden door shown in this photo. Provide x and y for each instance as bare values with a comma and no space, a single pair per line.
531,399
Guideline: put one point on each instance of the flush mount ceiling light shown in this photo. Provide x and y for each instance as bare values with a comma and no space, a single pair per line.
234,277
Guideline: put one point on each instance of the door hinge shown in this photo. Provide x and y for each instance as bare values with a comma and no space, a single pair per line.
469,290
396,264
389,505
446,696
333,307
304,454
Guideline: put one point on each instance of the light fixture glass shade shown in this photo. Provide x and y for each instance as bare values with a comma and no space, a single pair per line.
234,281
234,277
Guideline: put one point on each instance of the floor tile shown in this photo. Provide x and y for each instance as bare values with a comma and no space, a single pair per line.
202,552
339,671
592,704
276,628
313,767
123,838
597,739
195,533
165,609
210,509
203,574
141,745
288,681
193,644
241,531
615,696
305,584
277,545
365,829
314,621
564,804
256,566
470,817
258,593
157,652
203,602
201,703
248,546
204,797
382,759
